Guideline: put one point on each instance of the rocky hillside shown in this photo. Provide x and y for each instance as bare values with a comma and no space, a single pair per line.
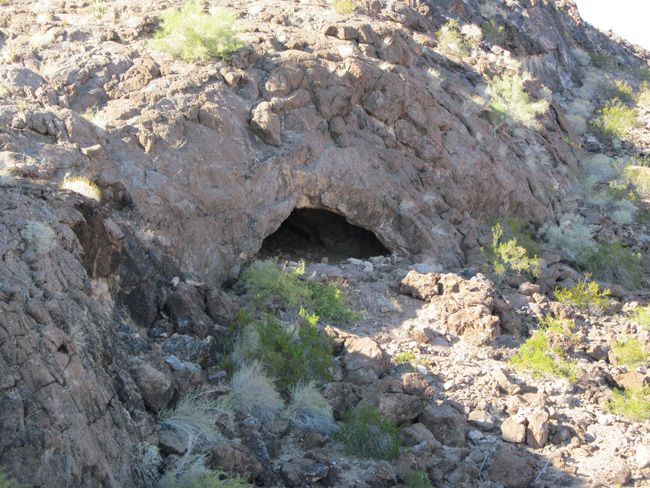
486,161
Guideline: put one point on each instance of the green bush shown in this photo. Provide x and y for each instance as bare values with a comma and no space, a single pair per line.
264,280
192,35
343,6
508,256
619,89
510,102
629,352
603,61
365,433
457,40
493,32
584,296
539,357
612,262
557,325
641,315
633,403
417,479
290,357
404,357
6,482
614,120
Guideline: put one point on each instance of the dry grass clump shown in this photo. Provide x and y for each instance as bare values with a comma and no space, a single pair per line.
83,186
510,102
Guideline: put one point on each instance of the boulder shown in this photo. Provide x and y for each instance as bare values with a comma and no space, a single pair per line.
364,360
155,383
537,428
513,429
446,423
510,468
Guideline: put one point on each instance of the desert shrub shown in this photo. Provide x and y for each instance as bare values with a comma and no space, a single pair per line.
493,32
6,481
83,186
641,315
253,393
264,280
585,296
435,78
619,89
612,262
639,178
308,409
196,414
365,433
572,236
40,236
614,120
404,357
343,6
557,325
629,352
510,102
508,256
289,356
146,465
457,40
192,35
518,229
602,60
417,479
643,96
633,403
190,471
538,356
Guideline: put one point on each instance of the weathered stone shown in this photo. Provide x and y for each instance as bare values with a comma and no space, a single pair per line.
445,423
513,429
235,458
510,468
266,124
341,397
481,419
156,384
537,428
422,286
364,360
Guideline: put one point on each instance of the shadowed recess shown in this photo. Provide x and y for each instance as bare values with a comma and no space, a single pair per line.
316,233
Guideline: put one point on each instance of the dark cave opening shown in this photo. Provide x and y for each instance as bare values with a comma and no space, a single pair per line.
313,234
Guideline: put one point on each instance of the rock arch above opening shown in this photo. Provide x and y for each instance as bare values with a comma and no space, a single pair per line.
311,234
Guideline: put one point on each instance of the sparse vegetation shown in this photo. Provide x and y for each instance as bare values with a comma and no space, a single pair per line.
602,60
493,32
265,280
253,393
540,357
510,102
40,236
365,433
641,315
6,481
508,256
308,410
290,355
196,414
573,236
417,479
629,352
619,89
404,358
83,186
639,178
343,6
190,472
193,35
147,463
633,403
457,40
614,263
585,296
643,96
614,120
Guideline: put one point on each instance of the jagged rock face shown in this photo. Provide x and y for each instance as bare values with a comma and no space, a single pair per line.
317,111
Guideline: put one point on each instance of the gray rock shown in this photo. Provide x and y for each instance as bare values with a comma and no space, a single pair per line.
446,423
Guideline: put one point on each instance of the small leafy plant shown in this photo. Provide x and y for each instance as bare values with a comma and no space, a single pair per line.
510,102
614,120
417,479
265,280
540,357
193,35
509,256
457,40
365,433
633,403
641,315
629,352
614,263
585,296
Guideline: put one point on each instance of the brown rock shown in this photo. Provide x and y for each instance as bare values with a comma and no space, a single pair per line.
513,429
155,383
235,458
446,423
422,286
537,429
364,360
510,468
266,124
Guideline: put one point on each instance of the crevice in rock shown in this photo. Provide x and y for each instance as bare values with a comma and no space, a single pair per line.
314,234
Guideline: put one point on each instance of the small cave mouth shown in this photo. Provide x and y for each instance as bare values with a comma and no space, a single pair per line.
313,234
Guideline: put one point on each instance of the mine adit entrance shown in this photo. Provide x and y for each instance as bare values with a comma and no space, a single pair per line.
313,234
